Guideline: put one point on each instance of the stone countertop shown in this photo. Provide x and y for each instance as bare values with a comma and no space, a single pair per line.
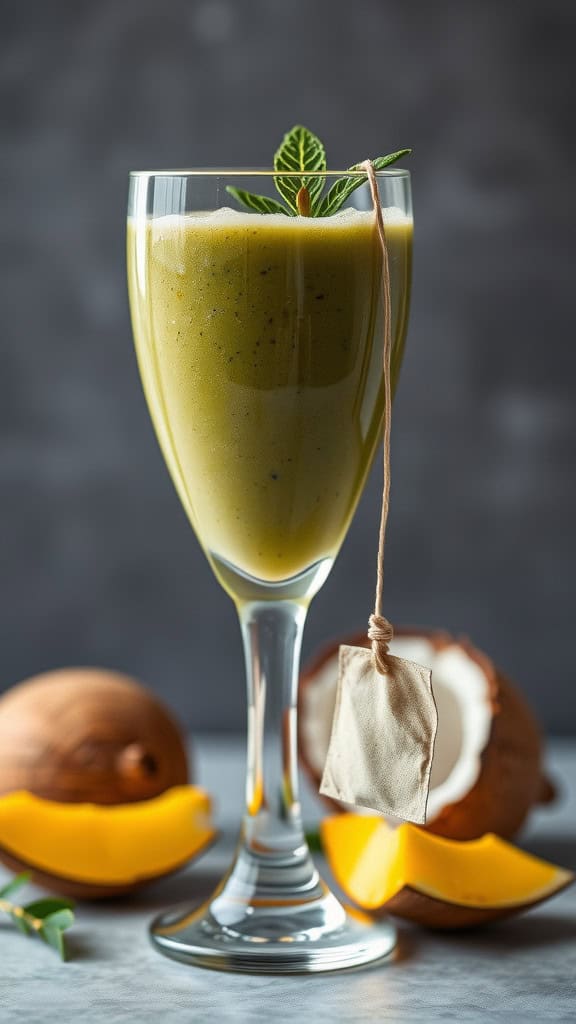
521,970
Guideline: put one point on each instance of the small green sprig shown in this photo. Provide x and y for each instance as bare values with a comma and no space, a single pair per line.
48,918
300,153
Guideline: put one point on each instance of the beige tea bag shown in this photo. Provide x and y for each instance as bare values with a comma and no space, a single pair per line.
385,719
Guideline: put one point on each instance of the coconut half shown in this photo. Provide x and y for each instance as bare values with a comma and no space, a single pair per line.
487,765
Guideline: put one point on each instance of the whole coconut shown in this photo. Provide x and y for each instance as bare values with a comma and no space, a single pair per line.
88,735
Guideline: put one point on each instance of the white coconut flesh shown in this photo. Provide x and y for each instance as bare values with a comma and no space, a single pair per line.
461,691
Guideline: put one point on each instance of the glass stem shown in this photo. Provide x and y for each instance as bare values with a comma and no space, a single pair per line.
272,637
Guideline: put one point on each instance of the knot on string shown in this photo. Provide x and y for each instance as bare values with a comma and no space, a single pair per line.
380,632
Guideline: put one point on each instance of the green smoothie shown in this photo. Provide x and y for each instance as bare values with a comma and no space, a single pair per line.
260,340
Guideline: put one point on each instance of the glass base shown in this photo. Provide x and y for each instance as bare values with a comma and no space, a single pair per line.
272,914
295,940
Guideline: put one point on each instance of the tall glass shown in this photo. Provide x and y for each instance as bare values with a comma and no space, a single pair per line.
259,340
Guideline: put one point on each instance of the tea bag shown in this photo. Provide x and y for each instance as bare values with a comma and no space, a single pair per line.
385,719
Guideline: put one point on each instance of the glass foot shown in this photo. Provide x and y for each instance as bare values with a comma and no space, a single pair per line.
317,936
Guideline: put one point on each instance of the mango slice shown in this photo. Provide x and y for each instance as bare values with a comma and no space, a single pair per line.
437,882
115,846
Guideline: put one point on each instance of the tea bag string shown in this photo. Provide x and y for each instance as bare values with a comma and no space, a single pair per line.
380,631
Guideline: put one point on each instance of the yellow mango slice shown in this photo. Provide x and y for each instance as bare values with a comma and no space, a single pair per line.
438,882
113,845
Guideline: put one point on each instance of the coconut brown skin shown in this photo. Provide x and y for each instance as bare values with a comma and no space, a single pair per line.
442,916
88,735
510,780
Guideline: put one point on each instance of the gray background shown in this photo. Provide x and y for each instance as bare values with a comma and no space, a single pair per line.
98,562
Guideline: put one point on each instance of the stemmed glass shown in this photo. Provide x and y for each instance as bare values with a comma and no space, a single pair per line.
259,340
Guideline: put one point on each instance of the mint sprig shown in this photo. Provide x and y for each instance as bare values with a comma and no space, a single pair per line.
299,152
47,918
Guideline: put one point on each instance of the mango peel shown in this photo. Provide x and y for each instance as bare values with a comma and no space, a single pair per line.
92,850
436,882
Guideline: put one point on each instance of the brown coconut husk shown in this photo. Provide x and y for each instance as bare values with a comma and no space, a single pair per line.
88,735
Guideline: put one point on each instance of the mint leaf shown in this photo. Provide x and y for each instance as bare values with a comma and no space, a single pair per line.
20,921
48,908
48,918
260,204
344,187
14,884
60,918
300,150
53,926
54,937
338,194
383,161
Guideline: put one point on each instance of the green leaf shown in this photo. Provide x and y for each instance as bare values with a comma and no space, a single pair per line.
49,908
48,918
61,918
53,927
15,883
54,937
20,921
260,204
383,161
344,187
338,194
300,151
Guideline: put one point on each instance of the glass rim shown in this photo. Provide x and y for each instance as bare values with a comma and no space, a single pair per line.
246,172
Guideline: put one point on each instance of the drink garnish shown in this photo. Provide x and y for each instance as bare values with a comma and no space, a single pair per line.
301,159
47,918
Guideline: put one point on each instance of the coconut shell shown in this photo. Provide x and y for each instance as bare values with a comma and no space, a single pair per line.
511,779
439,915
88,735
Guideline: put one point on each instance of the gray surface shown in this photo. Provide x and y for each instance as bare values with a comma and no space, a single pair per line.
99,565
521,970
